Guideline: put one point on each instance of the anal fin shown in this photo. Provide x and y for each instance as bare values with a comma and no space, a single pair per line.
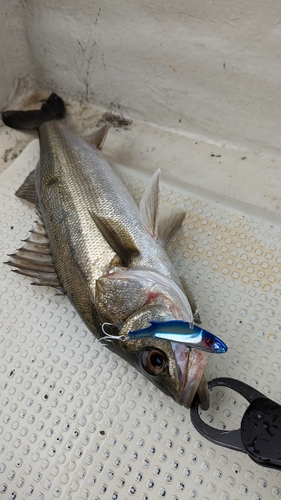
34,258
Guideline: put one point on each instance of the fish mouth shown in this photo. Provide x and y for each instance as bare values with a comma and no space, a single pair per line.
191,364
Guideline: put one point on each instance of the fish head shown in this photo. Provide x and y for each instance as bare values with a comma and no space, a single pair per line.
130,299
174,369
123,291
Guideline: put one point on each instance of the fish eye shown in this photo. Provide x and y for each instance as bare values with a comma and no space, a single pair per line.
154,361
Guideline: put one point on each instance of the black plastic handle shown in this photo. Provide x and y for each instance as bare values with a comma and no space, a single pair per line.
260,432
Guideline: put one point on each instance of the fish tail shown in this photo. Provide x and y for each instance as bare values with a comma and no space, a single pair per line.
52,109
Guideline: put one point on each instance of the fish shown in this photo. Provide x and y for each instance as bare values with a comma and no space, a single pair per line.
108,255
185,333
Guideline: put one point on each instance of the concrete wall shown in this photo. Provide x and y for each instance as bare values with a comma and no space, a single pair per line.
204,68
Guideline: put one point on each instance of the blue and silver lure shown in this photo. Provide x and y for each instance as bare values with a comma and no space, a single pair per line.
183,333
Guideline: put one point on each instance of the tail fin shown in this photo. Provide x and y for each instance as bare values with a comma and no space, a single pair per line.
52,109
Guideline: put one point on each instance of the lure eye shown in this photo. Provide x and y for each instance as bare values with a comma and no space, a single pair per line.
154,361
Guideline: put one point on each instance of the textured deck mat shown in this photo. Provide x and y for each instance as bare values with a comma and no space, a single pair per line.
77,422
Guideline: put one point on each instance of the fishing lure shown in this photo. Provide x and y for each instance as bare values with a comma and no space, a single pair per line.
175,331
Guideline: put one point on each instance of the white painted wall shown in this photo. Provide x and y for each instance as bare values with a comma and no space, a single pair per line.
15,61
209,68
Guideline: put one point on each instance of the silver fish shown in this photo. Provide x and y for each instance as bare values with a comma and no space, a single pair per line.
106,254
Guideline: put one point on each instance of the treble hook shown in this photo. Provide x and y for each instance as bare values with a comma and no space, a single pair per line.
108,337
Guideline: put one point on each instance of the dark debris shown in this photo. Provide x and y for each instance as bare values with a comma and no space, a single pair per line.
117,121
9,155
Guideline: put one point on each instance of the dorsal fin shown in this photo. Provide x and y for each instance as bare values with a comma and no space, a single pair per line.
120,240
27,190
169,224
34,258
98,137
149,205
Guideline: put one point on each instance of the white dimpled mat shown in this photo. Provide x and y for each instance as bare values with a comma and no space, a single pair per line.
77,422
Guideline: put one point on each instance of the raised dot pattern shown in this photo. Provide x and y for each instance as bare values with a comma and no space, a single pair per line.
77,422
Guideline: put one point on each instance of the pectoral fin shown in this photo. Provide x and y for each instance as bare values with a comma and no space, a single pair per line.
27,190
34,258
117,237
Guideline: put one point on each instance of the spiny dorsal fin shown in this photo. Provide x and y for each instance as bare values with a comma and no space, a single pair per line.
97,139
34,258
27,190
118,238
169,224
149,205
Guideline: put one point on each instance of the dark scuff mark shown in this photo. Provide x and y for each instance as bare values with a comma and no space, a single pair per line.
9,155
6,154
117,121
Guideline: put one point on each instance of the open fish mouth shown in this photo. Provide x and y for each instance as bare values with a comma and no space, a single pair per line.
191,364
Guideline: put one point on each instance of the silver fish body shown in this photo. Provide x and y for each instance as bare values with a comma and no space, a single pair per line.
109,264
